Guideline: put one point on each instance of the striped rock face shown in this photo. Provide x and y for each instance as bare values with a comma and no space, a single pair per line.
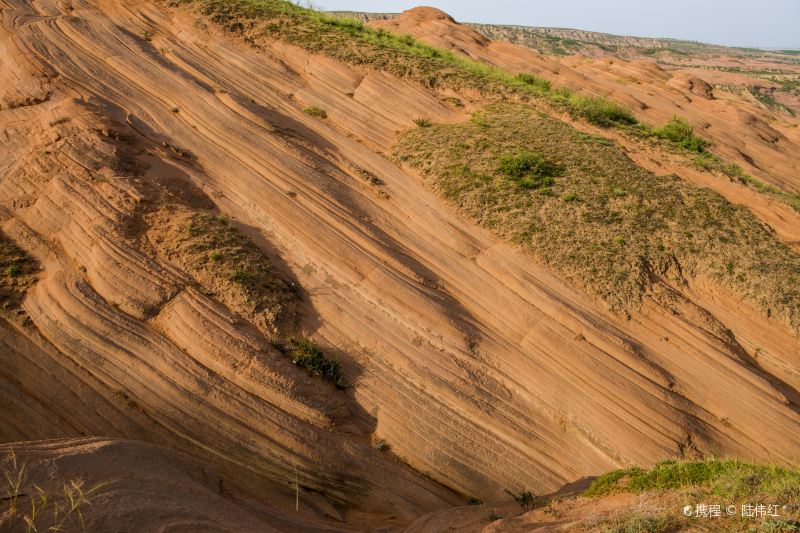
178,218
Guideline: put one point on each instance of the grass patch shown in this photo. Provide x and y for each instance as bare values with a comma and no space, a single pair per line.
305,353
227,265
19,272
423,123
599,110
679,131
730,480
710,162
637,523
536,82
630,226
314,111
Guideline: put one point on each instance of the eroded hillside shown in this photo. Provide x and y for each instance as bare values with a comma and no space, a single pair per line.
202,213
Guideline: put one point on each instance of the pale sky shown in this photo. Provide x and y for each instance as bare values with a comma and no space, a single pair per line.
753,23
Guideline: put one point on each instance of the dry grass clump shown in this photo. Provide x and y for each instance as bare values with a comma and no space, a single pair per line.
17,273
227,265
28,507
603,222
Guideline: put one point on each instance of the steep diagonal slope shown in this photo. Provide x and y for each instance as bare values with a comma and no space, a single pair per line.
480,368
764,142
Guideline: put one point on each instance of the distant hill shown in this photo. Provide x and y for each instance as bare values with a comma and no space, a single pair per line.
567,41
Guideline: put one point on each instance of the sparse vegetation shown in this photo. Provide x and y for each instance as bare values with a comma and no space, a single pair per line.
305,353
43,511
18,274
729,479
570,197
227,264
314,111
629,225
536,82
679,131
529,170
726,482
350,41
637,523
423,123
597,109
710,162
526,499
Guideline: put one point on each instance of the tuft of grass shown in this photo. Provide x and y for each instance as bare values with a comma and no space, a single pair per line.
423,123
671,229
305,353
600,110
681,132
540,84
314,111
528,169
13,270
43,511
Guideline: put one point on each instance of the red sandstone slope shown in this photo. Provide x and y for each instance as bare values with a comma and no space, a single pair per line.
765,143
482,370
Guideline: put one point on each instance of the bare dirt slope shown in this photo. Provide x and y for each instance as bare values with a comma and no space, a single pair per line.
128,129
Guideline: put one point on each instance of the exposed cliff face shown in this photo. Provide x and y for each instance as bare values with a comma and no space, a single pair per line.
179,212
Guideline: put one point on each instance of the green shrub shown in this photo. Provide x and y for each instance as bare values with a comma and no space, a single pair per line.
423,123
600,110
307,354
314,111
215,256
534,81
13,270
679,131
570,197
530,170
